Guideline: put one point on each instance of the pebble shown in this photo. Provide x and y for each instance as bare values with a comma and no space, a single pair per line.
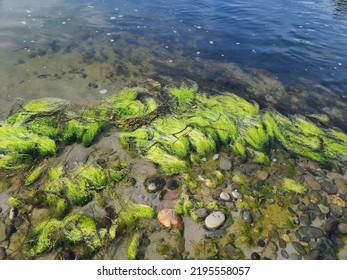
3,255
336,210
281,243
215,156
154,184
201,213
203,159
255,256
214,220
341,185
216,234
329,225
262,175
103,91
172,185
225,196
284,254
299,248
246,215
236,194
13,213
342,228
294,200
0,210
329,187
261,243
313,184
324,209
311,232
225,164
305,218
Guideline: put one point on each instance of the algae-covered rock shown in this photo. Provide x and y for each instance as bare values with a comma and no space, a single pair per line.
130,214
292,186
34,175
134,246
20,148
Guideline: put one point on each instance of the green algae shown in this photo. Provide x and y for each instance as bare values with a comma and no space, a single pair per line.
131,213
133,247
187,205
183,96
15,202
292,186
34,175
19,148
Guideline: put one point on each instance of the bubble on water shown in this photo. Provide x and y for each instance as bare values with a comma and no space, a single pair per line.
103,91
237,43
166,47
116,9
174,31
28,11
90,6
112,40
339,63
211,42
120,16
108,34
222,54
197,52
198,27
300,26
23,22
254,51
112,17
136,10
63,22
170,60
335,67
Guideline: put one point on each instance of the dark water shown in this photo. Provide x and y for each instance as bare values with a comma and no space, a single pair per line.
291,55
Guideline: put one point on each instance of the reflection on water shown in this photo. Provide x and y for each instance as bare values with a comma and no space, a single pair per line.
289,57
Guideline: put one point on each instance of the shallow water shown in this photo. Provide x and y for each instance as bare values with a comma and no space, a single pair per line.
289,55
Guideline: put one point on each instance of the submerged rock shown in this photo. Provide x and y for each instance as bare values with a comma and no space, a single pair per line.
169,219
172,185
225,164
154,184
311,232
329,187
201,213
214,220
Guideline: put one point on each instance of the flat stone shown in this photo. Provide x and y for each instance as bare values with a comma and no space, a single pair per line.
214,220
329,225
236,194
329,187
342,228
281,243
305,218
262,175
299,248
225,196
201,213
225,164
215,156
341,185
216,234
294,256
324,209
312,183
311,232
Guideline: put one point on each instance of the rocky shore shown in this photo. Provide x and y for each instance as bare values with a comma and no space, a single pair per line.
170,173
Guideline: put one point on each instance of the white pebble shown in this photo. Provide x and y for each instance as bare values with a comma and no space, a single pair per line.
103,91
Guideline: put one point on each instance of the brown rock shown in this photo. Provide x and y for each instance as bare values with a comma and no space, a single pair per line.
169,219
341,185
312,183
262,175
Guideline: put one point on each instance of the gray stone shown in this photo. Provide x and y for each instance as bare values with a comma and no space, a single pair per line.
215,156
324,209
342,228
172,185
273,234
232,252
3,255
305,218
312,183
216,234
336,210
299,248
203,159
236,194
330,225
214,220
201,213
225,196
246,215
329,187
311,232
284,254
313,254
225,164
